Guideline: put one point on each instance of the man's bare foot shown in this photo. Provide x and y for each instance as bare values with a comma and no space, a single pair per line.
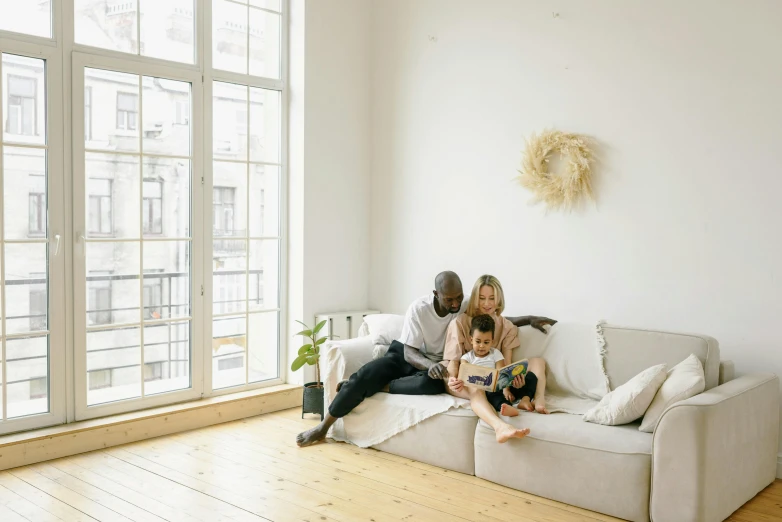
507,432
508,410
540,407
339,385
525,404
311,436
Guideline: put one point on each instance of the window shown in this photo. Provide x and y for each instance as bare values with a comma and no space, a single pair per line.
223,211
39,388
22,106
88,113
36,205
99,379
153,294
152,207
153,371
38,307
100,206
182,116
27,17
230,363
99,307
127,111
136,250
167,28
37,208
30,352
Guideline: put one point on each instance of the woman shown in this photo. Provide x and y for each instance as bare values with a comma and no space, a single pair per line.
488,298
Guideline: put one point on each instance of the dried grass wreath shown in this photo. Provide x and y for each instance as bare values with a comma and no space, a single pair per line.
557,191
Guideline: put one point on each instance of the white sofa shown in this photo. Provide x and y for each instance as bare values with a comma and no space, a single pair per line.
708,456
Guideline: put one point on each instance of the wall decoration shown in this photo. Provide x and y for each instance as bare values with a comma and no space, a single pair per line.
557,192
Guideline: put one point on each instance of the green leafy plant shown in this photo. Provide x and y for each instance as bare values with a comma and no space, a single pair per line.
310,353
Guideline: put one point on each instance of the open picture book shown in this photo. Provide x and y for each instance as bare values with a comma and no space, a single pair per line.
491,380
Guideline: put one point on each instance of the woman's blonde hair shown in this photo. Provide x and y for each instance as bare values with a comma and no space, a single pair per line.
499,295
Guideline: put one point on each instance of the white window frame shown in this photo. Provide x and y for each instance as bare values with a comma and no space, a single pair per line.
81,62
66,196
42,48
212,75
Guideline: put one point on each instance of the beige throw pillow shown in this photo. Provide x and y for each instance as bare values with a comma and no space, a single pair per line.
629,401
685,380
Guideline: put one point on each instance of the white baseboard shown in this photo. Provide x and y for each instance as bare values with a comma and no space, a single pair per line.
779,465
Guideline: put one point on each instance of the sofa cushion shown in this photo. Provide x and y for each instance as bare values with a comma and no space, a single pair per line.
384,328
685,380
630,351
562,428
629,402
602,468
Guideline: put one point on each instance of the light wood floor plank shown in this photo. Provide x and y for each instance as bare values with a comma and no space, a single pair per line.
190,501
325,478
214,477
7,515
251,470
289,487
97,495
25,508
103,483
42,500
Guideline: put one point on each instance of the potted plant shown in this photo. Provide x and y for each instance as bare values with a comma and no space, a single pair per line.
309,354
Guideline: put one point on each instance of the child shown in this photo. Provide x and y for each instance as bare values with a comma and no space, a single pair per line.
482,354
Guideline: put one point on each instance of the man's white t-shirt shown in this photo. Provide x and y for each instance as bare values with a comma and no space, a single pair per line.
490,361
424,329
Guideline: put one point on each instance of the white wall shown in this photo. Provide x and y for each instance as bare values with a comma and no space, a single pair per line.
329,161
684,101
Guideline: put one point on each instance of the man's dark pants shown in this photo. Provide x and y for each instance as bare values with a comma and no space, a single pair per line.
392,370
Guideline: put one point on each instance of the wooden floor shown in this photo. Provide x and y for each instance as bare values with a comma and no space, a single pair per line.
251,470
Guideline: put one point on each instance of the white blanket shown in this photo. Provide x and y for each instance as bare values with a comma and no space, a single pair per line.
383,415
576,378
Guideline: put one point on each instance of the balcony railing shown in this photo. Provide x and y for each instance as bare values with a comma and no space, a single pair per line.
166,309
229,241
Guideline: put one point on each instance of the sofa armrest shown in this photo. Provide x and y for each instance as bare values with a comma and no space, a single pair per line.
727,371
340,359
715,451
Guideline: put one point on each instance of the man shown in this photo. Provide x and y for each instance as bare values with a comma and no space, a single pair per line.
412,364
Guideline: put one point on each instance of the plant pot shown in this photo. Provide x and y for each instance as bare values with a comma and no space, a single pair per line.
313,399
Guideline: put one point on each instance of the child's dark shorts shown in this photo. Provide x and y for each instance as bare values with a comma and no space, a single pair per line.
497,399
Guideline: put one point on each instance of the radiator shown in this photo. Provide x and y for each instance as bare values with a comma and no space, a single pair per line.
343,325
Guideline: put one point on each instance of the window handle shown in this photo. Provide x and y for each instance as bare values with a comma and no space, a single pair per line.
56,245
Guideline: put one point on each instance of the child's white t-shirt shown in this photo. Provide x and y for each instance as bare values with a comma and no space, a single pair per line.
490,361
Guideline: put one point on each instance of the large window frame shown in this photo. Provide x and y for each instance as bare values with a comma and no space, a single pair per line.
69,123
82,62
55,234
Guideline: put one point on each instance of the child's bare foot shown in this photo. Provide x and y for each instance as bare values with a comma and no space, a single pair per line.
540,406
340,384
525,404
508,410
507,432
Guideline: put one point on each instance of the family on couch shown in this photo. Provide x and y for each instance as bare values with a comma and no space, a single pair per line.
439,330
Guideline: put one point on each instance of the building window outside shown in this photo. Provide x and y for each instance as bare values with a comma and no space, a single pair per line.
100,206
99,299
153,207
127,111
22,106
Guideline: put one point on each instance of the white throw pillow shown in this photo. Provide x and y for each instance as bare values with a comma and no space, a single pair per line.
685,380
628,402
384,328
